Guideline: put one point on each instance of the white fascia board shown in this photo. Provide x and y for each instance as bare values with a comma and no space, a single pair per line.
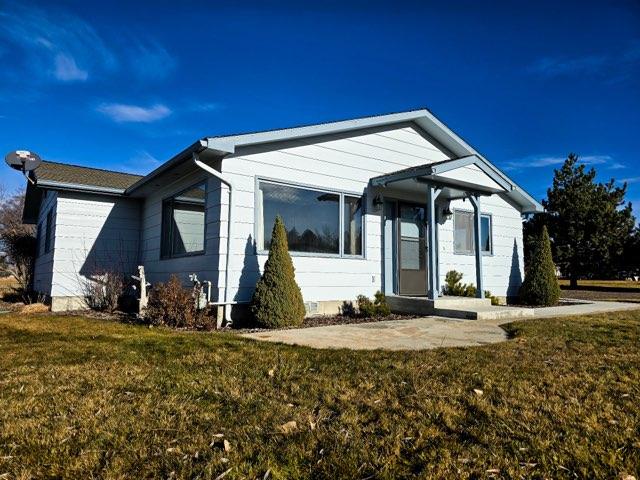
79,188
229,144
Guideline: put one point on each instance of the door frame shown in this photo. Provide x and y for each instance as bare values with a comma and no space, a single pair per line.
398,242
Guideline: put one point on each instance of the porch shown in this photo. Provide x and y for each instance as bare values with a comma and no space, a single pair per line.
415,202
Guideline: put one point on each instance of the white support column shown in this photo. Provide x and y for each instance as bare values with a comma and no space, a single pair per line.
477,228
432,245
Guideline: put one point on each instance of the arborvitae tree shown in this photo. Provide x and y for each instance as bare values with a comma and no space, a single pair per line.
277,301
540,286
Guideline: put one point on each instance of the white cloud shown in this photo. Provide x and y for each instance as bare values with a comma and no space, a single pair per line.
121,113
595,159
617,166
534,161
67,70
56,45
149,59
205,107
141,163
53,44
540,161
609,65
551,67
630,180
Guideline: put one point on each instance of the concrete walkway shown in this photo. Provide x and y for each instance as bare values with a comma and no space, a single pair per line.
420,333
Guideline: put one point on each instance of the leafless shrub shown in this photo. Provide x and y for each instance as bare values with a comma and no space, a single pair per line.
172,305
104,290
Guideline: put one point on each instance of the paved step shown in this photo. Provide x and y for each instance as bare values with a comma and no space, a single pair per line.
490,312
456,307
425,306
461,302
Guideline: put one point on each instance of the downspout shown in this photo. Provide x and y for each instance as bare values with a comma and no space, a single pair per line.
212,171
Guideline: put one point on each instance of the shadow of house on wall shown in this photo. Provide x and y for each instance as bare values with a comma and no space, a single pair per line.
515,275
249,276
115,248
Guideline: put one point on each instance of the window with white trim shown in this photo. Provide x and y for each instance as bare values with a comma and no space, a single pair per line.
317,221
463,237
183,223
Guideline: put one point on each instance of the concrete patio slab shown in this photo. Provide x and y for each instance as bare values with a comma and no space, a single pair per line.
413,334
421,333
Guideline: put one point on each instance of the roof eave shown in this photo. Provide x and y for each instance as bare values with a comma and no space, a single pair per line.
196,147
53,185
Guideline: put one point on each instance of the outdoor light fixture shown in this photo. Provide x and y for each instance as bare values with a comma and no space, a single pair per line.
377,200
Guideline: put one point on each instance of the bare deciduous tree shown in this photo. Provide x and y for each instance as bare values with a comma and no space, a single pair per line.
17,240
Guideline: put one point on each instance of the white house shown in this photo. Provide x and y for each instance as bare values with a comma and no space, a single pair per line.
389,202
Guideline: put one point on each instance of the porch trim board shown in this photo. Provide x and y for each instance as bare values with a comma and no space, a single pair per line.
477,225
432,245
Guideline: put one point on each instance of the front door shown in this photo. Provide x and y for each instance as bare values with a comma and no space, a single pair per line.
412,260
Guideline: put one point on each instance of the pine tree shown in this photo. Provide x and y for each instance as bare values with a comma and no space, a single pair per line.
540,286
277,301
589,222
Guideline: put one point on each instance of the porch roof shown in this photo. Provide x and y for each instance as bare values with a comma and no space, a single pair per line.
457,178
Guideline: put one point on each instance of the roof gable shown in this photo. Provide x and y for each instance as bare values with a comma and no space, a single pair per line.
57,175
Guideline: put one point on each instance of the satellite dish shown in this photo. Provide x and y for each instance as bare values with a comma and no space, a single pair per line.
23,160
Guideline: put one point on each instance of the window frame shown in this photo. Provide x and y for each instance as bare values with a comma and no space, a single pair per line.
258,231
488,253
168,200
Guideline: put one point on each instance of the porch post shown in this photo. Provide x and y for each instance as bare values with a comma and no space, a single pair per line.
477,226
432,247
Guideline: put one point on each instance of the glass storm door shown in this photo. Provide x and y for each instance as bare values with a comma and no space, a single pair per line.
412,261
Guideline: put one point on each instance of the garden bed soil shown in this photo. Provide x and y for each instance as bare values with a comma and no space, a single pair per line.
328,320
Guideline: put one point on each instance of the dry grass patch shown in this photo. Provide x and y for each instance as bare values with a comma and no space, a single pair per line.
7,285
604,284
89,398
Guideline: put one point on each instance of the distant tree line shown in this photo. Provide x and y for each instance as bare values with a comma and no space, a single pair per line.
592,229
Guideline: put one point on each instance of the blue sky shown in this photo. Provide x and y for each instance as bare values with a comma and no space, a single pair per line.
124,85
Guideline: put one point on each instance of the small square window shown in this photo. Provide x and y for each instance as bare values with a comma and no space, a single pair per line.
463,236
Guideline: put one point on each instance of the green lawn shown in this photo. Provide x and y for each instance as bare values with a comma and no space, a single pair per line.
83,398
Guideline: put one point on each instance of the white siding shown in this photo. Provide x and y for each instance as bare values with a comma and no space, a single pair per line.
503,270
43,265
341,164
206,265
471,174
93,233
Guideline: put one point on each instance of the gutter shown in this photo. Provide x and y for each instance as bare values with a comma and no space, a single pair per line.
226,303
79,188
